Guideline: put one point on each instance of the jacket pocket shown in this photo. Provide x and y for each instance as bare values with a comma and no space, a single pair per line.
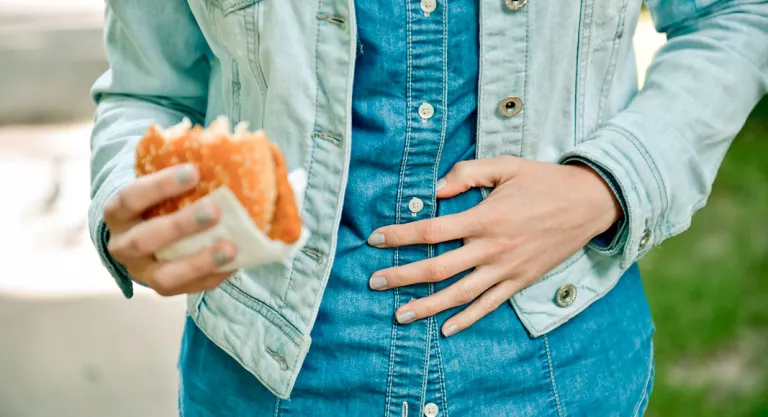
602,47
238,25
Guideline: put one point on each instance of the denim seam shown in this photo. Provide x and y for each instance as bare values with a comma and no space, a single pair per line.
263,310
311,159
552,377
277,408
567,264
180,397
236,87
425,366
610,75
585,29
444,104
480,88
390,370
523,113
427,348
441,373
253,39
648,160
443,132
644,395
651,164
398,201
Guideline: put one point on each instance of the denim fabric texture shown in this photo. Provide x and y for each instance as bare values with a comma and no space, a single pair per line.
291,67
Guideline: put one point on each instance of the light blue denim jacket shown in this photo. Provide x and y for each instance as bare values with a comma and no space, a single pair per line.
287,66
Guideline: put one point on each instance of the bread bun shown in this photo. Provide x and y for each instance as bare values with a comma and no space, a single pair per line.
245,162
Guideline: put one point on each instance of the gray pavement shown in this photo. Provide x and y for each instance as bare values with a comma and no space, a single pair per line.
88,356
71,345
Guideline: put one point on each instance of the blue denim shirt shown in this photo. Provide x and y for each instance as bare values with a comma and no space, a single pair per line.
414,112
288,66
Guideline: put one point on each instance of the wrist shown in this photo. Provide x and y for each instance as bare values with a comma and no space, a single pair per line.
601,204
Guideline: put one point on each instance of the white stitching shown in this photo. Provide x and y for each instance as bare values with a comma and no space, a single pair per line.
647,382
552,377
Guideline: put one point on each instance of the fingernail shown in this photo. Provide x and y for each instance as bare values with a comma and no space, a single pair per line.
221,257
376,239
378,283
204,216
440,184
451,330
185,174
406,317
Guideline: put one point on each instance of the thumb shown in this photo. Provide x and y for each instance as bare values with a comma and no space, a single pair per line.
476,173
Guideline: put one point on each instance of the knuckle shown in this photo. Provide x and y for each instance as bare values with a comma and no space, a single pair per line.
461,169
179,224
202,265
491,303
476,225
395,277
429,309
432,232
139,246
466,292
126,201
501,246
436,271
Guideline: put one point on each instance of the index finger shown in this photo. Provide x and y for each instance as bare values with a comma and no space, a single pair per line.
149,190
431,231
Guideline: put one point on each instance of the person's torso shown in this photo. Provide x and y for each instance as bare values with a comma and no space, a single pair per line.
547,75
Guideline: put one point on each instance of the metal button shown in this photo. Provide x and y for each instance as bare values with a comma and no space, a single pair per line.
566,295
645,239
428,6
431,410
415,205
515,5
426,110
510,106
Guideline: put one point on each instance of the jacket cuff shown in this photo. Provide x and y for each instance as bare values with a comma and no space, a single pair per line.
637,182
100,233
610,242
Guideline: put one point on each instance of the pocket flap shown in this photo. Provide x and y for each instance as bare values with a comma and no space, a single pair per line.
229,6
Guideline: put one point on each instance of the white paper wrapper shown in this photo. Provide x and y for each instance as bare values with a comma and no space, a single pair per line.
254,247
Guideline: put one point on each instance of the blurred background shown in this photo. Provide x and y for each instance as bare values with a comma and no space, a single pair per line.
71,346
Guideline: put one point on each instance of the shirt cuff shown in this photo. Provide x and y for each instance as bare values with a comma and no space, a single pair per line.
612,240
100,233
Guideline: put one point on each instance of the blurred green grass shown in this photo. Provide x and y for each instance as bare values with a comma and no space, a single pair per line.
708,290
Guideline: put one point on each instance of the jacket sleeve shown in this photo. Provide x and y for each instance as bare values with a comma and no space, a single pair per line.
663,151
158,73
